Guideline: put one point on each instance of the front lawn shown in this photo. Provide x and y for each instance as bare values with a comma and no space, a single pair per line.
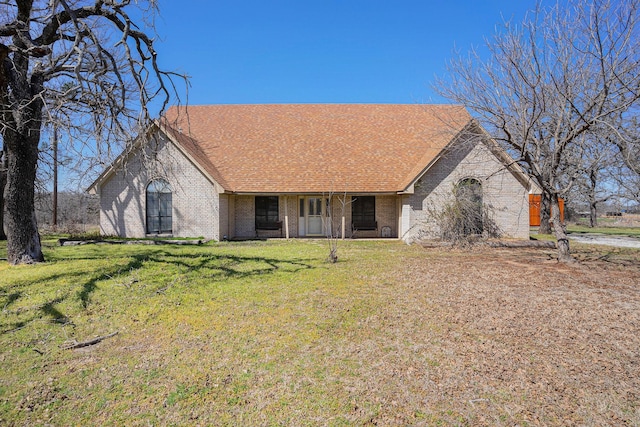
269,333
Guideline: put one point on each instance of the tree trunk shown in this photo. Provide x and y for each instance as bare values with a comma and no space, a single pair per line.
4,51
3,182
593,219
593,214
560,231
23,240
545,213
21,117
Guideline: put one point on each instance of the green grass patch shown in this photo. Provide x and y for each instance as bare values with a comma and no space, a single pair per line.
583,229
608,230
197,325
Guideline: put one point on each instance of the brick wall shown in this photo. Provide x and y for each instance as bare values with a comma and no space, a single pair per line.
244,216
387,214
291,206
505,197
194,197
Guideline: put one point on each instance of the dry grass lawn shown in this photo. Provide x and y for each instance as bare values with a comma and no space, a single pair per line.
528,341
391,335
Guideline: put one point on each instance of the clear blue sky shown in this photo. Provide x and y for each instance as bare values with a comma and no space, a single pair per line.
329,51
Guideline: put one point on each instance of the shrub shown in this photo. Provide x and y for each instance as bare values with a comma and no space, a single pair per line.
465,219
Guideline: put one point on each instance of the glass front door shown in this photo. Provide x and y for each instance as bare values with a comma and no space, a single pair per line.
314,216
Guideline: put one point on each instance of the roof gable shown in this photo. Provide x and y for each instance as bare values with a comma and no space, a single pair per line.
312,148
473,133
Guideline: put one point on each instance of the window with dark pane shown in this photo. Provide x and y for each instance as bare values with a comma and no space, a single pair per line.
159,207
469,197
266,210
363,212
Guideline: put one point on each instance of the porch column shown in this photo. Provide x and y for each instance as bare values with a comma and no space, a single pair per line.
286,217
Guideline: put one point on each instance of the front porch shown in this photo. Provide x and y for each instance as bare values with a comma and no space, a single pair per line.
313,215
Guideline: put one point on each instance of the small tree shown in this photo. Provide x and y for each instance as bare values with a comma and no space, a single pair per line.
332,222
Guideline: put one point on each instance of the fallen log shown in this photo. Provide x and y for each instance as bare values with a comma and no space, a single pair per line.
67,242
87,343
521,244
494,244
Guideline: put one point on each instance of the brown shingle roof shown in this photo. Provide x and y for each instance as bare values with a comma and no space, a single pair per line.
307,148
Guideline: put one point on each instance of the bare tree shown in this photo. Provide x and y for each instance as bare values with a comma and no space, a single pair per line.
564,72
88,66
624,134
333,221
629,184
595,160
78,212
594,196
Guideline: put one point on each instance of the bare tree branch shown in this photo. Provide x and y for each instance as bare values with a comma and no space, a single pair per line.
566,73
83,66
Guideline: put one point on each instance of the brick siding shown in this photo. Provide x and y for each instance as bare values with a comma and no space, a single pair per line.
502,193
195,201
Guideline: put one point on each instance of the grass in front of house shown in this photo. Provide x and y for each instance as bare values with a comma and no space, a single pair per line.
198,325
269,333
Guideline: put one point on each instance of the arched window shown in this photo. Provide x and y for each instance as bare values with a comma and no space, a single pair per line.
159,207
469,198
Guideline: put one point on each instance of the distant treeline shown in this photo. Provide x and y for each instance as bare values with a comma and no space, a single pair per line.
77,211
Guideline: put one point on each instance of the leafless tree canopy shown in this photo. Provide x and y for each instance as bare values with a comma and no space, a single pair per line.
565,72
86,66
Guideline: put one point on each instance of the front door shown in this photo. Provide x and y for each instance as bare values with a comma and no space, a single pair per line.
314,216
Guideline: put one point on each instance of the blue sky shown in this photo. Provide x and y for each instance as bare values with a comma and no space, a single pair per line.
331,51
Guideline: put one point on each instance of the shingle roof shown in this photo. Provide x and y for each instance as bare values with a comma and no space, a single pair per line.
313,148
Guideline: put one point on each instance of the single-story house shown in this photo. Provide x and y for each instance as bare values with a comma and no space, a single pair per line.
303,170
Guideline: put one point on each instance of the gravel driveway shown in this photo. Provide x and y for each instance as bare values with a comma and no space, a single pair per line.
601,239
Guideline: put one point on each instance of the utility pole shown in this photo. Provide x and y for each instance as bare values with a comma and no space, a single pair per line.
55,177
3,182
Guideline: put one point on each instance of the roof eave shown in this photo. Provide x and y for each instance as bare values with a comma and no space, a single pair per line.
409,188
512,166
222,186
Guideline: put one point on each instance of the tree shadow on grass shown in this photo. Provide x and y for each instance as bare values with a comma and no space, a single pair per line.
11,298
84,295
47,308
234,266
210,265
50,308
